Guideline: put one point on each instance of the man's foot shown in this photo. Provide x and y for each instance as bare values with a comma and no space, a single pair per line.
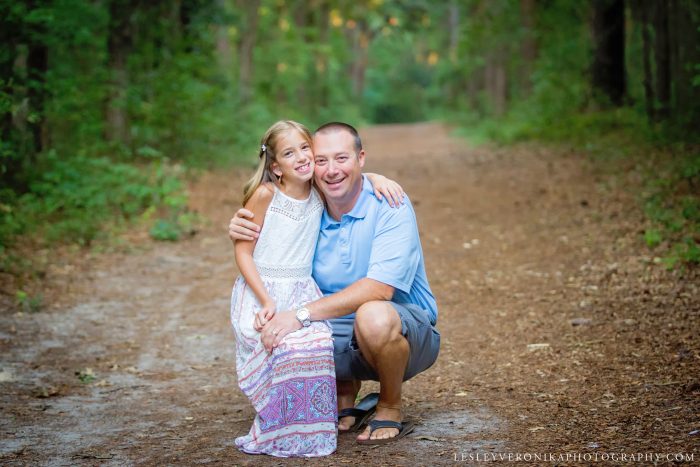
404,429
347,392
353,418
390,413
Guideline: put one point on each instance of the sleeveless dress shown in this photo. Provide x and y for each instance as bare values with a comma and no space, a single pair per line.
293,388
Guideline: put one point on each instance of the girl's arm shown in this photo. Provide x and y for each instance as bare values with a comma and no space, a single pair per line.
243,250
386,188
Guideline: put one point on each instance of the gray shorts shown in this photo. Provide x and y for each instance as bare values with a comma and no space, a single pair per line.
423,341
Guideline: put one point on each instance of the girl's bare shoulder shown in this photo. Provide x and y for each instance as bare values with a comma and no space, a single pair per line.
264,192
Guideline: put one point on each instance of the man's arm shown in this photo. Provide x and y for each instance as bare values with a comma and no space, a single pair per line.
338,304
349,299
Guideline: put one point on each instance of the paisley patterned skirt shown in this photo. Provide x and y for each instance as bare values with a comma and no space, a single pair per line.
293,388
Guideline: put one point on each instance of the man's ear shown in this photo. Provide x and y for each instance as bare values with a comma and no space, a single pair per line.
361,158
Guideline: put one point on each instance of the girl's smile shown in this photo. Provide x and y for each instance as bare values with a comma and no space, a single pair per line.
304,169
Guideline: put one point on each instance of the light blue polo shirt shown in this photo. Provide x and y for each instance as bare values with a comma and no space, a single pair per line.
376,241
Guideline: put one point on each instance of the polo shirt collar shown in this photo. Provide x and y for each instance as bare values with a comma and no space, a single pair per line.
359,211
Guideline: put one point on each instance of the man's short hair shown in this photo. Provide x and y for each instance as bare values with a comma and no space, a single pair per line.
332,127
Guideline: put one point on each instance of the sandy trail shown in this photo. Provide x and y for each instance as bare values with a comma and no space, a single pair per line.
560,334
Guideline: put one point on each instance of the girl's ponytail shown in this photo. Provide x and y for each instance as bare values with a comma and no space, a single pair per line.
262,173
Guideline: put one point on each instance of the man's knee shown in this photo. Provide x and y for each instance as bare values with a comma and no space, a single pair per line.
377,320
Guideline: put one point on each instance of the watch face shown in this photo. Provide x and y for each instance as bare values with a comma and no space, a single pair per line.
303,314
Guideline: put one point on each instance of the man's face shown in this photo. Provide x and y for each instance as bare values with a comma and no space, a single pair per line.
338,171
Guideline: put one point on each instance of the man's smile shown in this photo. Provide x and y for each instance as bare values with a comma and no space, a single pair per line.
335,182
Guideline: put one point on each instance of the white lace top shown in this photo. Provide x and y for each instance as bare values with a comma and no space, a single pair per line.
287,242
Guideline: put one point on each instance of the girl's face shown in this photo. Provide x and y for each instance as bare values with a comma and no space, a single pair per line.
294,158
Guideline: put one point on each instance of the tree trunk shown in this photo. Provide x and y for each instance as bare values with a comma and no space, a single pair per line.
361,40
223,44
301,22
685,38
321,56
178,15
662,55
119,44
689,56
453,24
528,47
500,86
496,83
11,163
37,66
246,48
642,14
608,71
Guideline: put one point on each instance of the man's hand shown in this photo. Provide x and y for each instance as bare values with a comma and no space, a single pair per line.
241,229
277,328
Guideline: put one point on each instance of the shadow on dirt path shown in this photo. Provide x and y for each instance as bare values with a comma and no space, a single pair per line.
559,334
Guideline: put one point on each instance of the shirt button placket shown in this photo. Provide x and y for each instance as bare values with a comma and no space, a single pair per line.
344,242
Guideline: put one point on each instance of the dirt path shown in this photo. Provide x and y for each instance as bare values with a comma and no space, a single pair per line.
560,334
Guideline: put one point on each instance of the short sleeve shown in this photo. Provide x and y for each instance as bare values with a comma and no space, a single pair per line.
395,254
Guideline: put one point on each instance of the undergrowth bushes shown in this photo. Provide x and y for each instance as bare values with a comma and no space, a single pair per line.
83,199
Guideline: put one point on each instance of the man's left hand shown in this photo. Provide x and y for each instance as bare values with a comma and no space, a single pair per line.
277,328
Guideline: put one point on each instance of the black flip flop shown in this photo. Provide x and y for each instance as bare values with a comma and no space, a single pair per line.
404,428
362,412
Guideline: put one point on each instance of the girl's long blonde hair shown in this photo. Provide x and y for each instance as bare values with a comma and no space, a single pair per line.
268,148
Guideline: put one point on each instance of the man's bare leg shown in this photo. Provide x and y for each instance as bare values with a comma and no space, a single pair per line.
347,393
378,334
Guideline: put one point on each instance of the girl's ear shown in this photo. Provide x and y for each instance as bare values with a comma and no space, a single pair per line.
276,169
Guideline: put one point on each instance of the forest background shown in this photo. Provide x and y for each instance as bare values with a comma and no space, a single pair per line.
108,106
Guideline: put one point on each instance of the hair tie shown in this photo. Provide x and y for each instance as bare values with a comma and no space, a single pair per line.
263,148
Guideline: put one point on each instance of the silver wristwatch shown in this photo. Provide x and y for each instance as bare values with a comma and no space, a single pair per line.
304,316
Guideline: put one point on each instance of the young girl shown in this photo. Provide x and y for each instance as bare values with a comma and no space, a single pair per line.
292,388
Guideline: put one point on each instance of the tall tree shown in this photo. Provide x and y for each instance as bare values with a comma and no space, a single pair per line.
528,46
10,33
361,37
37,67
496,80
119,45
249,30
641,14
662,56
323,21
608,70
223,44
685,28
453,28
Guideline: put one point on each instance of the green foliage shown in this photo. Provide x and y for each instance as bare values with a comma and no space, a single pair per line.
165,230
175,227
86,376
672,206
29,304
180,90
652,237
79,199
